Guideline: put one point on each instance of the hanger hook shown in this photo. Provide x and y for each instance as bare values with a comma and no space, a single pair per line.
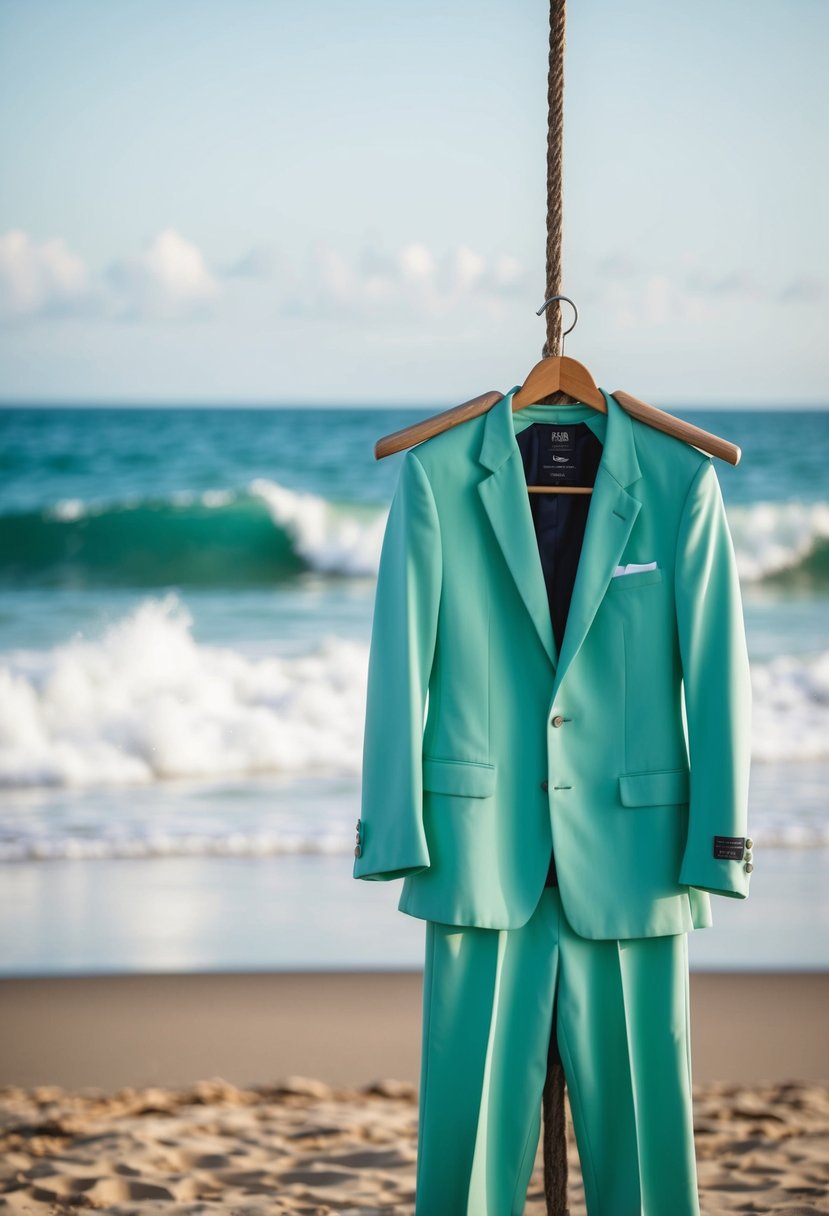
546,304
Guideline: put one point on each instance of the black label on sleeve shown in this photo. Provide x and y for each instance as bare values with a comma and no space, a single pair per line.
729,847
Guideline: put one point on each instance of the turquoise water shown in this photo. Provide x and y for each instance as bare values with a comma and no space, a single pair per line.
185,605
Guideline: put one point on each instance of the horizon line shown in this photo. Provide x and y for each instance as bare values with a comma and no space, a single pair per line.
207,403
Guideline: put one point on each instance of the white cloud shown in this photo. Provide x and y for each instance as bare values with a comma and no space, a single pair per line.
410,282
169,280
803,290
260,262
416,263
689,295
40,279
508,273
655,300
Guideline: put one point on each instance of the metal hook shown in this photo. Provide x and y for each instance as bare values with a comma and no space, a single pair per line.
546,303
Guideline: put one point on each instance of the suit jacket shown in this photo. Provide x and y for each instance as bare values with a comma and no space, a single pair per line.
624,752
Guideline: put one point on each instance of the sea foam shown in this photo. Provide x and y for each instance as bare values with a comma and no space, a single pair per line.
146,701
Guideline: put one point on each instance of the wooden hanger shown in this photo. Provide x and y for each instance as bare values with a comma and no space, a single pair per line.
564,376
559,374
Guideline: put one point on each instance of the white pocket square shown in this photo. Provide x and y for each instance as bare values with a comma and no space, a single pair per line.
632,567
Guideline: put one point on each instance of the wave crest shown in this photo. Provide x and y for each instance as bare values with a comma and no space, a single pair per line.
269,532
782,542
146,701
217,538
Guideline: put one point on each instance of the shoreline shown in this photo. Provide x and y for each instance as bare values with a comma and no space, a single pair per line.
75,918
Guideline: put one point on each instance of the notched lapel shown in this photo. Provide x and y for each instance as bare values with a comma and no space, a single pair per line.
506,502
610,518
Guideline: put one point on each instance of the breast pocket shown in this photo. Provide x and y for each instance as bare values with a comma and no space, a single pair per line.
640,607
636,578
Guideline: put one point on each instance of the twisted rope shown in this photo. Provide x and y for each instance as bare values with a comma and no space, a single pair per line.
555,192
555,1119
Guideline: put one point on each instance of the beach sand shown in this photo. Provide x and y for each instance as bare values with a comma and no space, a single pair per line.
310,1105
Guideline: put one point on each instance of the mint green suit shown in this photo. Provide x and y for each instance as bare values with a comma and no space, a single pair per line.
627,754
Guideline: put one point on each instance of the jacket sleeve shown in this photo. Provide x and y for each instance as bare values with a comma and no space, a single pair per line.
717,691
390,831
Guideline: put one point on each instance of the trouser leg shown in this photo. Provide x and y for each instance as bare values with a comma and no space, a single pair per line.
655,979
623,1033
487,1010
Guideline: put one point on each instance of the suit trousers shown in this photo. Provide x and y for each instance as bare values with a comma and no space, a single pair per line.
620,1013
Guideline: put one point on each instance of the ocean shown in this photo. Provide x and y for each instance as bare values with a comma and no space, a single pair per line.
185,608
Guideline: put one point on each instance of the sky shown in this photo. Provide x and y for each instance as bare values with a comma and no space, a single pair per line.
344,202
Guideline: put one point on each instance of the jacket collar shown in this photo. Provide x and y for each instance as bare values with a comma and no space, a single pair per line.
610,518
618,452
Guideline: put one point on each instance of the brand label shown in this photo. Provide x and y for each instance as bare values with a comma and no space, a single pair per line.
729,847
557,456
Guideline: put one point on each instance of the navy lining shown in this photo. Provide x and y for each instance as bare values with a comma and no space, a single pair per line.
559,521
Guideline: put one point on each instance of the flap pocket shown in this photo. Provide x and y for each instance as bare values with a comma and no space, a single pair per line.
654,787
458,777
636,578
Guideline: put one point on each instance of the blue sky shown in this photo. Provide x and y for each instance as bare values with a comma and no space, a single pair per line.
256,201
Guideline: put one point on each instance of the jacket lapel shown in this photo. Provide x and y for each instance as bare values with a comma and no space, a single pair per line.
610,518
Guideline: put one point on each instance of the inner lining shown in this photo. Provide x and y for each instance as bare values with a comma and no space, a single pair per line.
559,453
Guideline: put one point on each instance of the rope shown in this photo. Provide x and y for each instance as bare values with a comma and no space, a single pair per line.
555,193
555,1124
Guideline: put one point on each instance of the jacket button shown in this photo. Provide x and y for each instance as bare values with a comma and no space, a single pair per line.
749,842
357,850
749,867
545,785
557,720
